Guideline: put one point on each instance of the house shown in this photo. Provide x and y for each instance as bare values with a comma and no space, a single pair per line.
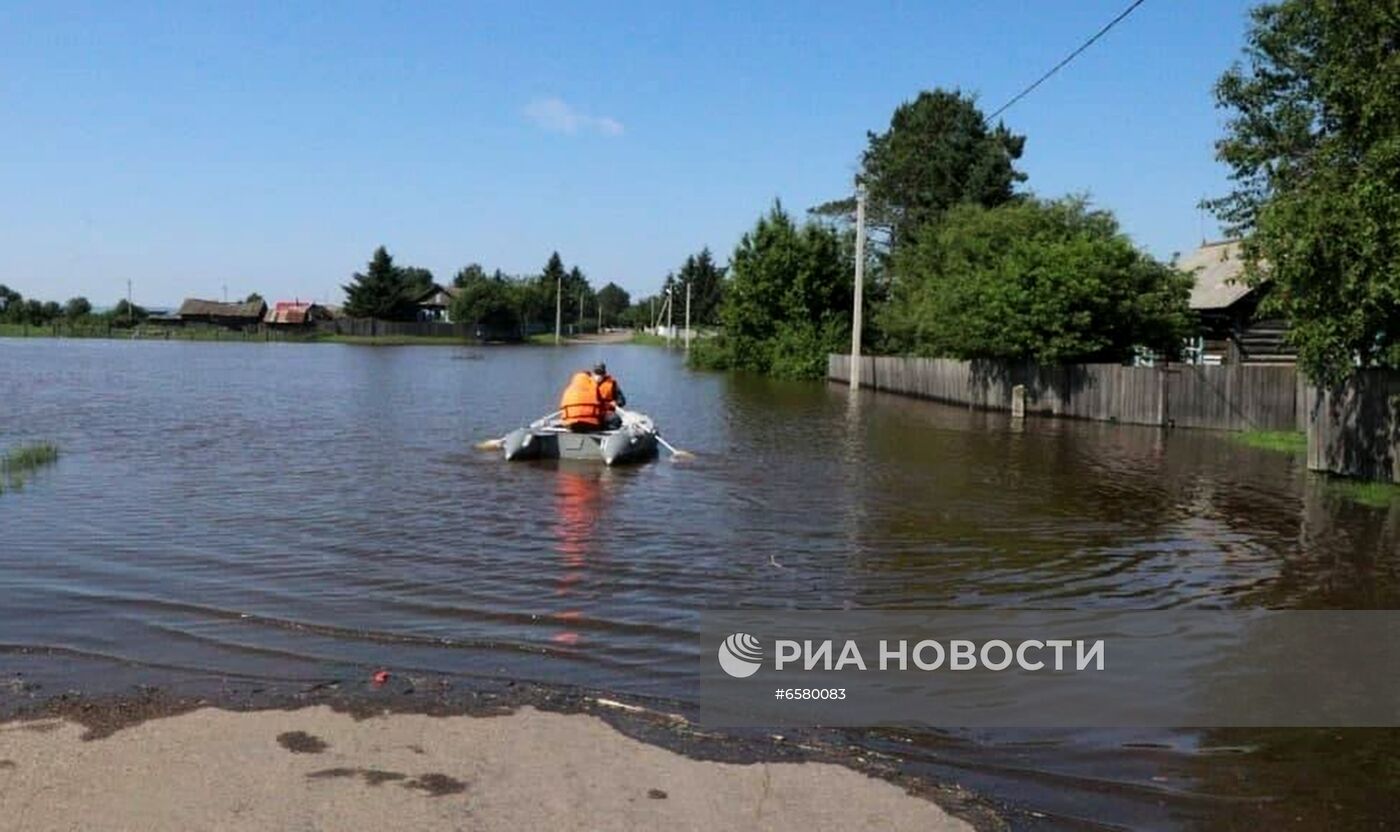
435,303
1229,329
231,315
296,313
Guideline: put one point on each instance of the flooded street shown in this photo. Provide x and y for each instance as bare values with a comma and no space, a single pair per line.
292,513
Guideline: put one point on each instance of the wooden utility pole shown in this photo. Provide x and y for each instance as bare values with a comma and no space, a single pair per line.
130,310
859,288
670,315
558,308
580,310
687,316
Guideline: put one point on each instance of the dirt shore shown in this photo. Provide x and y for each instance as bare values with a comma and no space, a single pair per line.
316,768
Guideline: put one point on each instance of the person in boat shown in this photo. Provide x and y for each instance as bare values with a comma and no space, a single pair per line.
588,403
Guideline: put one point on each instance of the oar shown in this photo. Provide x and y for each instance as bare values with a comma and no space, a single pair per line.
676,453
495,444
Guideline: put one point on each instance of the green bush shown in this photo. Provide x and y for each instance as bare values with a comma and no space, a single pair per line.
786,304
1050,281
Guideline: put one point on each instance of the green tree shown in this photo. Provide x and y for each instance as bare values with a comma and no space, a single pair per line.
1050,281
77,308
254,297
11,304
125,312
706,283
491,303
578,298
615,302
417,281
381,291
787,302
938,152
469,273
1313,144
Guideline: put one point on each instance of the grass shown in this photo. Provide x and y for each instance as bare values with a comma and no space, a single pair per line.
1283,441
649,339
392,340
23,460
1374,494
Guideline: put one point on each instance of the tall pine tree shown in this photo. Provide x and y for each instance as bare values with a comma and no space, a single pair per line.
381,291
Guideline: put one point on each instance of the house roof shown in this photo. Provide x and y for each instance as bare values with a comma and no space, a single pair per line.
293,312
437,295
194,307
1219,272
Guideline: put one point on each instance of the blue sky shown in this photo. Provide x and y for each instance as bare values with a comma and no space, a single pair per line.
271,147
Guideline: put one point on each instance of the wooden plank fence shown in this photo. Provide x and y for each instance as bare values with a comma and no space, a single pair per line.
1237,397
1353,431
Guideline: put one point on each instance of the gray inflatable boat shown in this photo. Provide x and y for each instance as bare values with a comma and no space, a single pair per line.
633,441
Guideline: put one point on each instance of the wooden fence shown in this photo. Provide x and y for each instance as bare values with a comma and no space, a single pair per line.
1352,431
370,328
1355,429
1234,397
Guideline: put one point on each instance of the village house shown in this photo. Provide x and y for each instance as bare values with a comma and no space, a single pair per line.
215,313
435,304
1229,329
291,314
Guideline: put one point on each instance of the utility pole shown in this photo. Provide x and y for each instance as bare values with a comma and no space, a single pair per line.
670,314
859,288
130,310
558,308
580,310
687,317
225,293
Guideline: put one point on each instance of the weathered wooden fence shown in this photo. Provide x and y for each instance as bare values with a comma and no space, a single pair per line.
1355,429
1352,431
1238,397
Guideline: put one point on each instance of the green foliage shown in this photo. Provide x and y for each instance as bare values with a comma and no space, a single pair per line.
787,301
382,291
467,274
491,303
614,301
417,281
938,152
1373,494
1283,441
254,297
19,462
126,313
77,308
1046,280
1313,144
706,283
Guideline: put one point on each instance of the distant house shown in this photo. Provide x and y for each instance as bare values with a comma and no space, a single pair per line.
1229,330
435,304
295,313
232,315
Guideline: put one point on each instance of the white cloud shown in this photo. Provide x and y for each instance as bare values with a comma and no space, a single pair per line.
555,115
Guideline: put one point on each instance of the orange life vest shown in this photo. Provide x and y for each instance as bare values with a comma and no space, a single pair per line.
607,392
581,404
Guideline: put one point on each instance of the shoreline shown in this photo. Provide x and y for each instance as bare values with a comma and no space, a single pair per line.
211,336
635,729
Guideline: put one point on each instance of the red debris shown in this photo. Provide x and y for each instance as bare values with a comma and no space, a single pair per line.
380,677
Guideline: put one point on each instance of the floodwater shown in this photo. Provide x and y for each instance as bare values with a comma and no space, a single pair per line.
295,512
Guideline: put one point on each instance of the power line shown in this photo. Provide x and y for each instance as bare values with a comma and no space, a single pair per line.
1071,56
